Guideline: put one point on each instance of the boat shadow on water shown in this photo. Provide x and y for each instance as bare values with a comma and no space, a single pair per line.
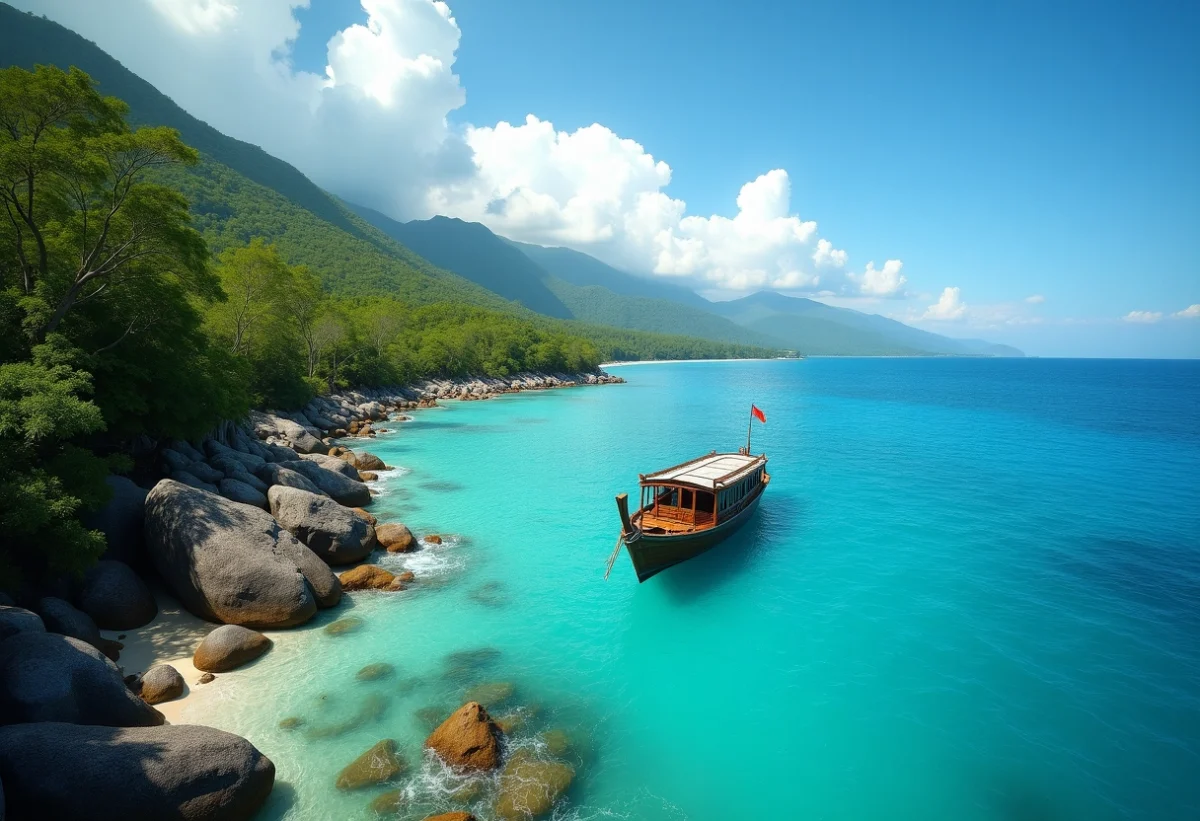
777,521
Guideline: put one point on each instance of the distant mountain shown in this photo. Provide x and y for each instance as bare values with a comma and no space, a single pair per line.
818,329
578,268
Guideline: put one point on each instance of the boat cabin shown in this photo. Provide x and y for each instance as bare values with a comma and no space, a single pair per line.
701,493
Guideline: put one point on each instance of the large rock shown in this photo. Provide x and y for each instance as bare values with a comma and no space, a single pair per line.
241,492
205,472
277,474
216,451
160,683
302,440
48,677
467,740
369,461
332,463
120,520
395,538
229,647
378,765
116,598
367,577
233,563
61,617
451,816
15,620
190,479
529,786
67,772
335,533
341,489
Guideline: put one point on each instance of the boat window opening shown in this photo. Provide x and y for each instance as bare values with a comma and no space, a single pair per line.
704,503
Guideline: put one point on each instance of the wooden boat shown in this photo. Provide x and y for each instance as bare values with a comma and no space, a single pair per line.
686,509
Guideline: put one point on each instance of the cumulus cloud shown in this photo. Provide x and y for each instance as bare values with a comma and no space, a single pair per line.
1035,299
948,307
1190,312
1143,317
373,129
826,254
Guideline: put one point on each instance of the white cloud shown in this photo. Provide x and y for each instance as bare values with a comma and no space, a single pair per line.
1035,299
826,254
1190,312
885,282
373,129
948,307
1143,317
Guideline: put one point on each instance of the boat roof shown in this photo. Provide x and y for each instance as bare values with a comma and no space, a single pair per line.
708,472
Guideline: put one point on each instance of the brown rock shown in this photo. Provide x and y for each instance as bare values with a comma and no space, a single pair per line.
452,816
376,671
396,586
432,538
342,626
160,683
467,740
366,577
370,519
529,786
291,723
557,741
229,647
377,765
350,457
353,427
492,692
395,537
207,678
367,476
369,461
388,803
406,576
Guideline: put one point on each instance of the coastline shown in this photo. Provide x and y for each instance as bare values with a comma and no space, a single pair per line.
682,361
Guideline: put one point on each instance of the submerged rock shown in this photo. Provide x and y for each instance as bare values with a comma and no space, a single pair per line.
468,739
376,671
291,723
491,594
116,598
160,683
366,577
491,693
388,803
557,741
335,533
452,816
343,626
70,772
232,563
395,538
432,538
529,786
49,677
229,647
372,709
378,765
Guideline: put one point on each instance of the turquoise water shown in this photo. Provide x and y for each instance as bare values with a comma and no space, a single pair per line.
971,593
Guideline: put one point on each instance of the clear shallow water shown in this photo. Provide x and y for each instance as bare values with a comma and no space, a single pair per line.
971,593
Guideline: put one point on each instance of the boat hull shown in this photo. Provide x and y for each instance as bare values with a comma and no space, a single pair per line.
651,554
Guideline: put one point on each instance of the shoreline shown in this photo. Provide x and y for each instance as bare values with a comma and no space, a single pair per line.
681,361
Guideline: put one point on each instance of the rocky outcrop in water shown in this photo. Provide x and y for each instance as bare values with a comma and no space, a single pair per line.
367,577
69,772
468,739
232,563
529,786
378,765
395,538
49,677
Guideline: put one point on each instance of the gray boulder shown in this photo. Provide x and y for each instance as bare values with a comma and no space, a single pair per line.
216,450
160,683
341,489
229,647
120,520
116,598
15,620
172,460
47,677
187,450
333,463
192,480
232,563
335,533
239,491
279,475
175,773
63,618
280,453
205,472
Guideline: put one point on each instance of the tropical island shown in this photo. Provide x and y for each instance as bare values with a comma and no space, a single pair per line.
192,333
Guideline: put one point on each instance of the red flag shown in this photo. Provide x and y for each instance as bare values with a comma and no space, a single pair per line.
757,414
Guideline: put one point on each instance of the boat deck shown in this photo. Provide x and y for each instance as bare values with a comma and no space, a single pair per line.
673,524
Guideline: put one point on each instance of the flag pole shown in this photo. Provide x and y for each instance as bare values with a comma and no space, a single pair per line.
749,427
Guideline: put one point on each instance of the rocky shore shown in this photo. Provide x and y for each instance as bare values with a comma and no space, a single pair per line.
244,530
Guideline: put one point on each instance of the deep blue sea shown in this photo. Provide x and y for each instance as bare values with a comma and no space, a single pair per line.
971,593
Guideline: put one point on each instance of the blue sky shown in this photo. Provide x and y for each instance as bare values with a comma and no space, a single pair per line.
992,151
